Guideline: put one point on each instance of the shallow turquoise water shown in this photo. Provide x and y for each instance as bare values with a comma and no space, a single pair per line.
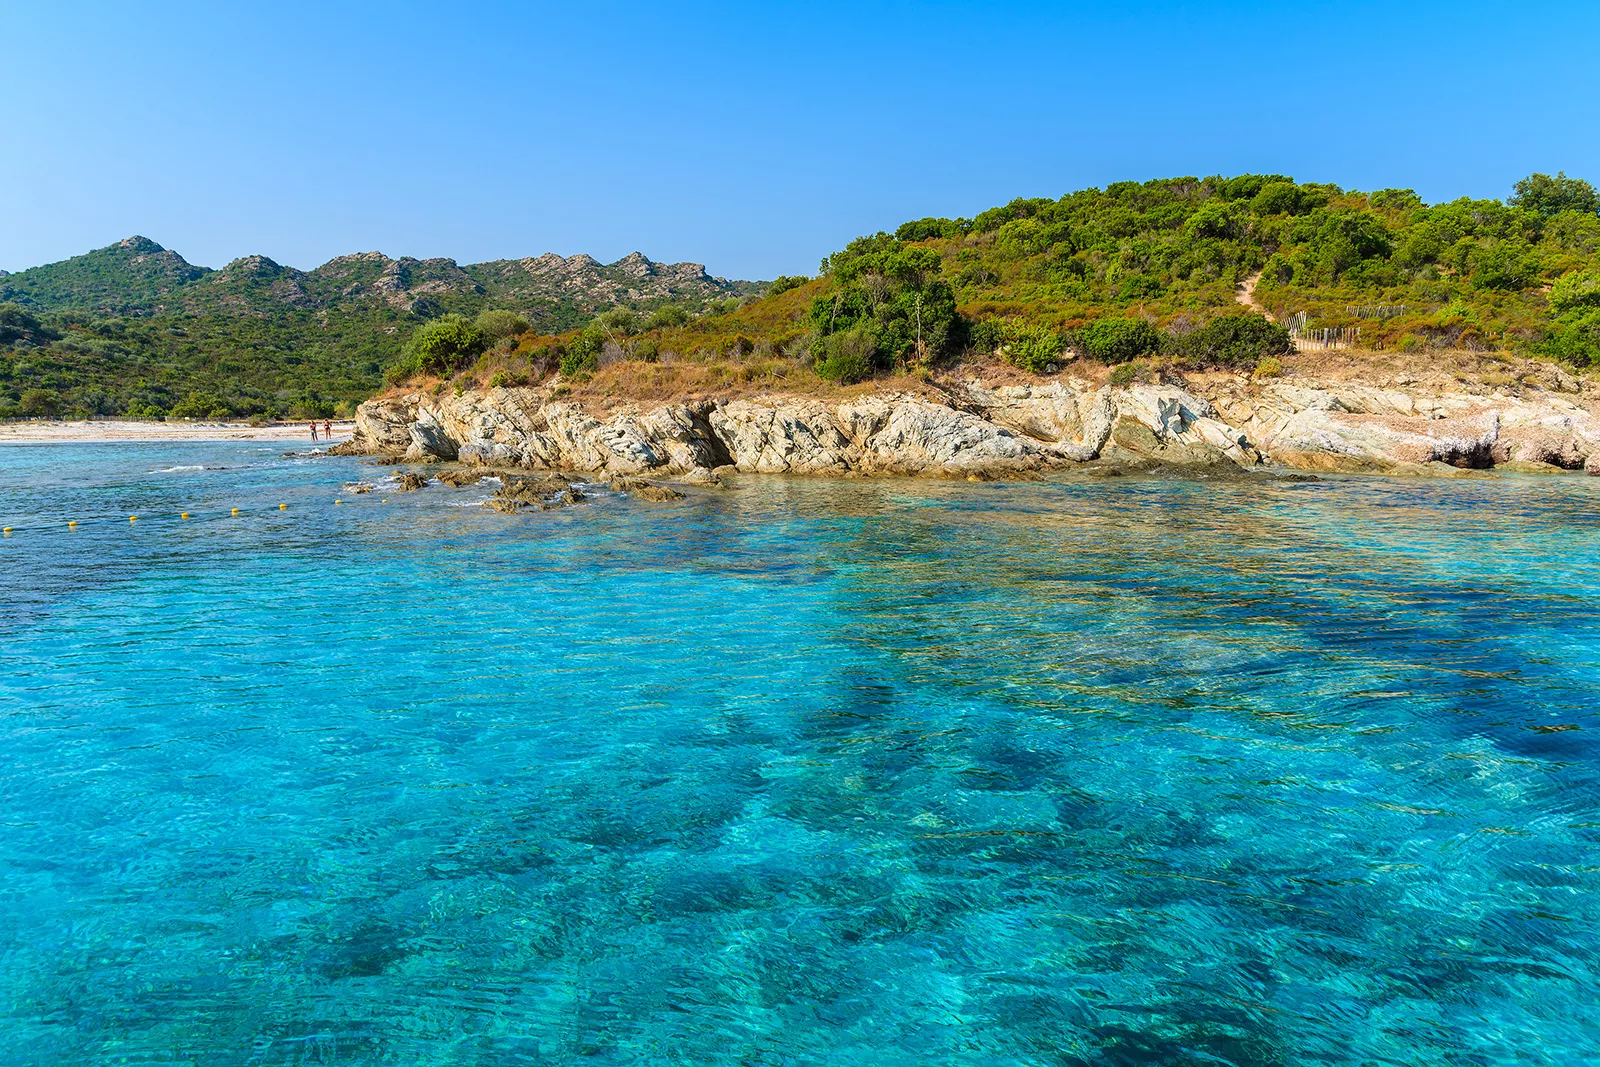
865,772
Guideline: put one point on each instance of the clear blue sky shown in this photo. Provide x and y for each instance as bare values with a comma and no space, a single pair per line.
753,138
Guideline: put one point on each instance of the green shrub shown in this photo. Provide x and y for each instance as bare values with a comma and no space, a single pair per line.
1233,341
496,325
987,335
784,282
624,321
199,405
1128,373
847,357
1270,367
1116,340
666,316
1577,289
407,365
579,362
1033,348
1574,339
39,403
446,344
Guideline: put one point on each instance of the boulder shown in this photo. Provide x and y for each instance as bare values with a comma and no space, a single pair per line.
411,480
703,476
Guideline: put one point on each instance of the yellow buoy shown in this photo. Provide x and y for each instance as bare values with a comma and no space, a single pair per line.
283,507
385,500
338,501
5,529
133,518
183,514
71,523
236,511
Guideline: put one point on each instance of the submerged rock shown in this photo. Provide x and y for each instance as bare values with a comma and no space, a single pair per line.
546,493
458,479
411,480
645,490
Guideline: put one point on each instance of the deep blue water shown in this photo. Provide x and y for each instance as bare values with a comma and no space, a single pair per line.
868,772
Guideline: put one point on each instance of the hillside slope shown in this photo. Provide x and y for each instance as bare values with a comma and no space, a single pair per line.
136,329
1156,269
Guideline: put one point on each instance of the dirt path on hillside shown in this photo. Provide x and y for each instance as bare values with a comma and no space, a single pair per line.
1246,295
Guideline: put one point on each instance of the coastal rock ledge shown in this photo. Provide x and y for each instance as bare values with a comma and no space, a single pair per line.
995,430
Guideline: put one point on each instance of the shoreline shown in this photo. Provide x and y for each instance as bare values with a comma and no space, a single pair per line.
48,431
991,430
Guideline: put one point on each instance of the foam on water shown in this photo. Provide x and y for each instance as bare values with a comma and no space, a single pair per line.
858,772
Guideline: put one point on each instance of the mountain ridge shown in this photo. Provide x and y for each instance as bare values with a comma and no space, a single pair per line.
137,276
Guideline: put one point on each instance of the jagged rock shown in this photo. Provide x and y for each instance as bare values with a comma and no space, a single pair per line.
529,490
1001,431
429,439
458,479
411,480
358,487
384,424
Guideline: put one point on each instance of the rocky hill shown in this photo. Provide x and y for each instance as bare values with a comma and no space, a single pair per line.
137,277
136,329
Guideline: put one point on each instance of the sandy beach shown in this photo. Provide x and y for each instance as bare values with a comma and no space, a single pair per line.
55,430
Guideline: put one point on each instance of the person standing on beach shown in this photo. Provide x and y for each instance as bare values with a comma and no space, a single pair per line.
327,429
313,429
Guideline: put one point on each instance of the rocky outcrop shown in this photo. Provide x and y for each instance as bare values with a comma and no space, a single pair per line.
544,493
980,430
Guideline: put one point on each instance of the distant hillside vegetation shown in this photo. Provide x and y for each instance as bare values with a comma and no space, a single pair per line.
1186,272
134,329
1163,269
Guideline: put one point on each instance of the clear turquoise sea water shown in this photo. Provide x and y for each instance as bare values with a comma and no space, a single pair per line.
859,773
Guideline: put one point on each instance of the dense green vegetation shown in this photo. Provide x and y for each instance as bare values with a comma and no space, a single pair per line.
1135,270
208,366
135,330
1156,269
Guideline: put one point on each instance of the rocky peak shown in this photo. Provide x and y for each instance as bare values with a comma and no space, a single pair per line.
140,246
635,265
253,266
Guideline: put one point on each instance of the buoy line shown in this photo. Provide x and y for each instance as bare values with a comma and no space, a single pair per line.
133,520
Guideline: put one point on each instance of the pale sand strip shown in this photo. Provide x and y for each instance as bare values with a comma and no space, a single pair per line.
50,430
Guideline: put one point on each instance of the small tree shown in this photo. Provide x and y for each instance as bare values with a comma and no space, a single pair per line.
39,403
445,344
1551,196
496,325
